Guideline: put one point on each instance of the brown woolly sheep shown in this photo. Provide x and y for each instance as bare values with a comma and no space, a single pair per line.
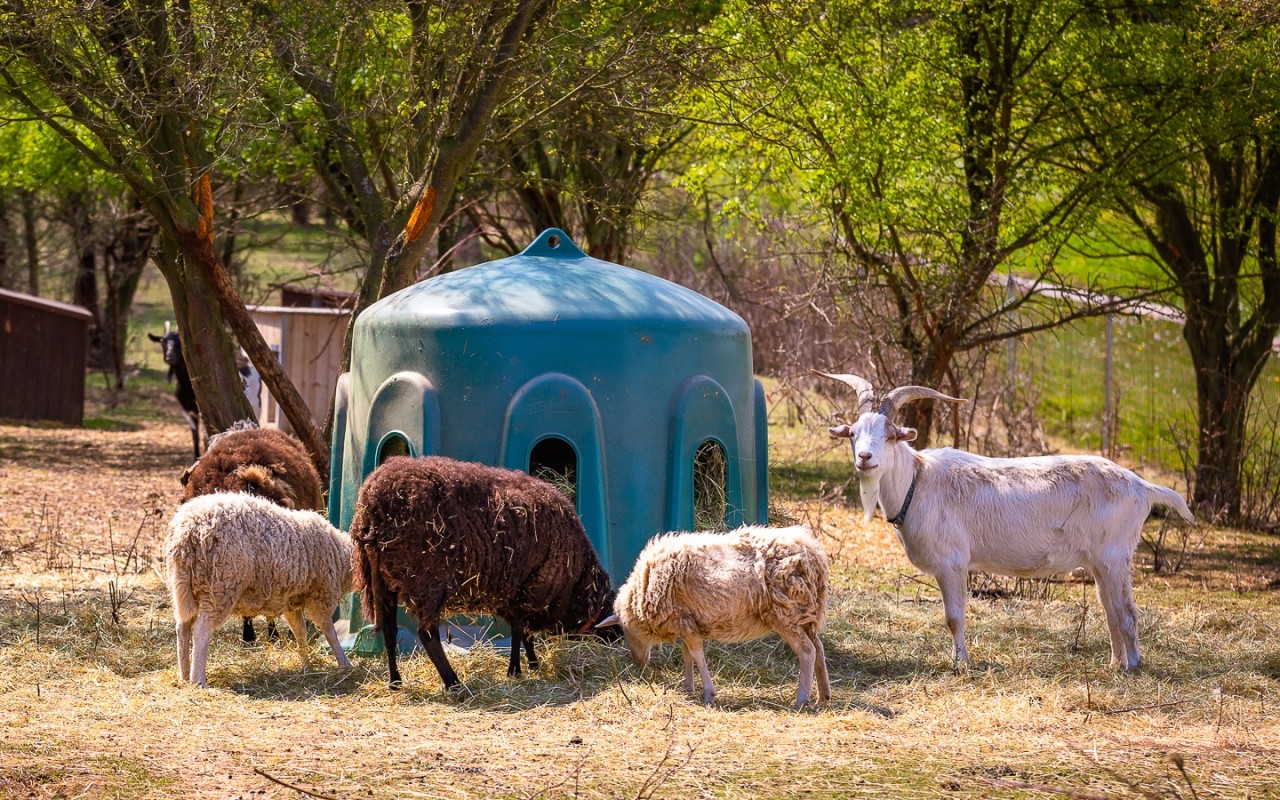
440,534
731,587
264,462
261,461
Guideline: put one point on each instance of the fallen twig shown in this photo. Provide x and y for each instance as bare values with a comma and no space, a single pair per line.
299,789
1148,707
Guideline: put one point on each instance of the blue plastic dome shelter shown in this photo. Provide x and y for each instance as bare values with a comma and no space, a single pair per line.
627,387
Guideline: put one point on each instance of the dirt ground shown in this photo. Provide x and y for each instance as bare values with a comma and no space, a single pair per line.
90,705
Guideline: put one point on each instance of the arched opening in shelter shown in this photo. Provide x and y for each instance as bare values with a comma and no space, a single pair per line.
393,444
555,461
710,477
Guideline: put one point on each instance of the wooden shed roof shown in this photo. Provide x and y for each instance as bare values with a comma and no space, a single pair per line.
65,309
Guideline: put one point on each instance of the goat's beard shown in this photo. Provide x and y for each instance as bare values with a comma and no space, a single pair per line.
869,491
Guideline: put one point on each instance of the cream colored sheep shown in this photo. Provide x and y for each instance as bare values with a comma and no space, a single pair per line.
234,553
731,587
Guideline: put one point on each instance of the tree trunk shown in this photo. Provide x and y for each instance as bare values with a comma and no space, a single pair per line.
79,212
1223,405
932,371
31,241
124,262
199,251
207,347
6,241
1229,343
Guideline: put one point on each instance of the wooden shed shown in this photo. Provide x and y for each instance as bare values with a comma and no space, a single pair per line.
43,346
308,342
294,296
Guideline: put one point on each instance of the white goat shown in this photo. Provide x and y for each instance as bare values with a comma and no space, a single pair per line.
732,587
1027,517
234,553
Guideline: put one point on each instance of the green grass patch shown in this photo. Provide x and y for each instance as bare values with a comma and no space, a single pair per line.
1154,390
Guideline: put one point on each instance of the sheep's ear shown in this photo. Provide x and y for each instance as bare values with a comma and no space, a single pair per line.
155,338
841,432
612,619
902,435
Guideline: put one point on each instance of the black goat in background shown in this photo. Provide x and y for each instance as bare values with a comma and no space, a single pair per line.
172,349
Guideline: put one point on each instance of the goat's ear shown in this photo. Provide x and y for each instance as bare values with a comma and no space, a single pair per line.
902,434
155,338
612,619
841,432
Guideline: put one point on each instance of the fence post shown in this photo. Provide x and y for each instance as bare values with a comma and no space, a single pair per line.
1108,408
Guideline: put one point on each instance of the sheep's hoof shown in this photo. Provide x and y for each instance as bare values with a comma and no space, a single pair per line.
395,684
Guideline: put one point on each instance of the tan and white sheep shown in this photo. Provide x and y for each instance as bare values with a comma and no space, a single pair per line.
731,587
234,553
262,461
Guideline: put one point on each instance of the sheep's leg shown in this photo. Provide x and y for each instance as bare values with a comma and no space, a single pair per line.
299,627
184,649
518,635
387,621
955,590
246,632
1115,593
820,666
206,623
324,621
686,658
429,635
528,651
803,648
693,652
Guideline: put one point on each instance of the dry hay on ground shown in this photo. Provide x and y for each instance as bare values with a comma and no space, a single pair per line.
90,705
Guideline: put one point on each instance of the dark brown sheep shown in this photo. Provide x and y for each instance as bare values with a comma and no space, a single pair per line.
445,535
261,461
264,462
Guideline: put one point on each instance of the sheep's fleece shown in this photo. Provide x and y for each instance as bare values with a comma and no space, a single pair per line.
234,553
731,587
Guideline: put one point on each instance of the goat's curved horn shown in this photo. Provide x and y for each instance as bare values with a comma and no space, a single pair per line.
866,394
905,394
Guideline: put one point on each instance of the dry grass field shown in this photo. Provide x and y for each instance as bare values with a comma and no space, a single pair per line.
90,705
